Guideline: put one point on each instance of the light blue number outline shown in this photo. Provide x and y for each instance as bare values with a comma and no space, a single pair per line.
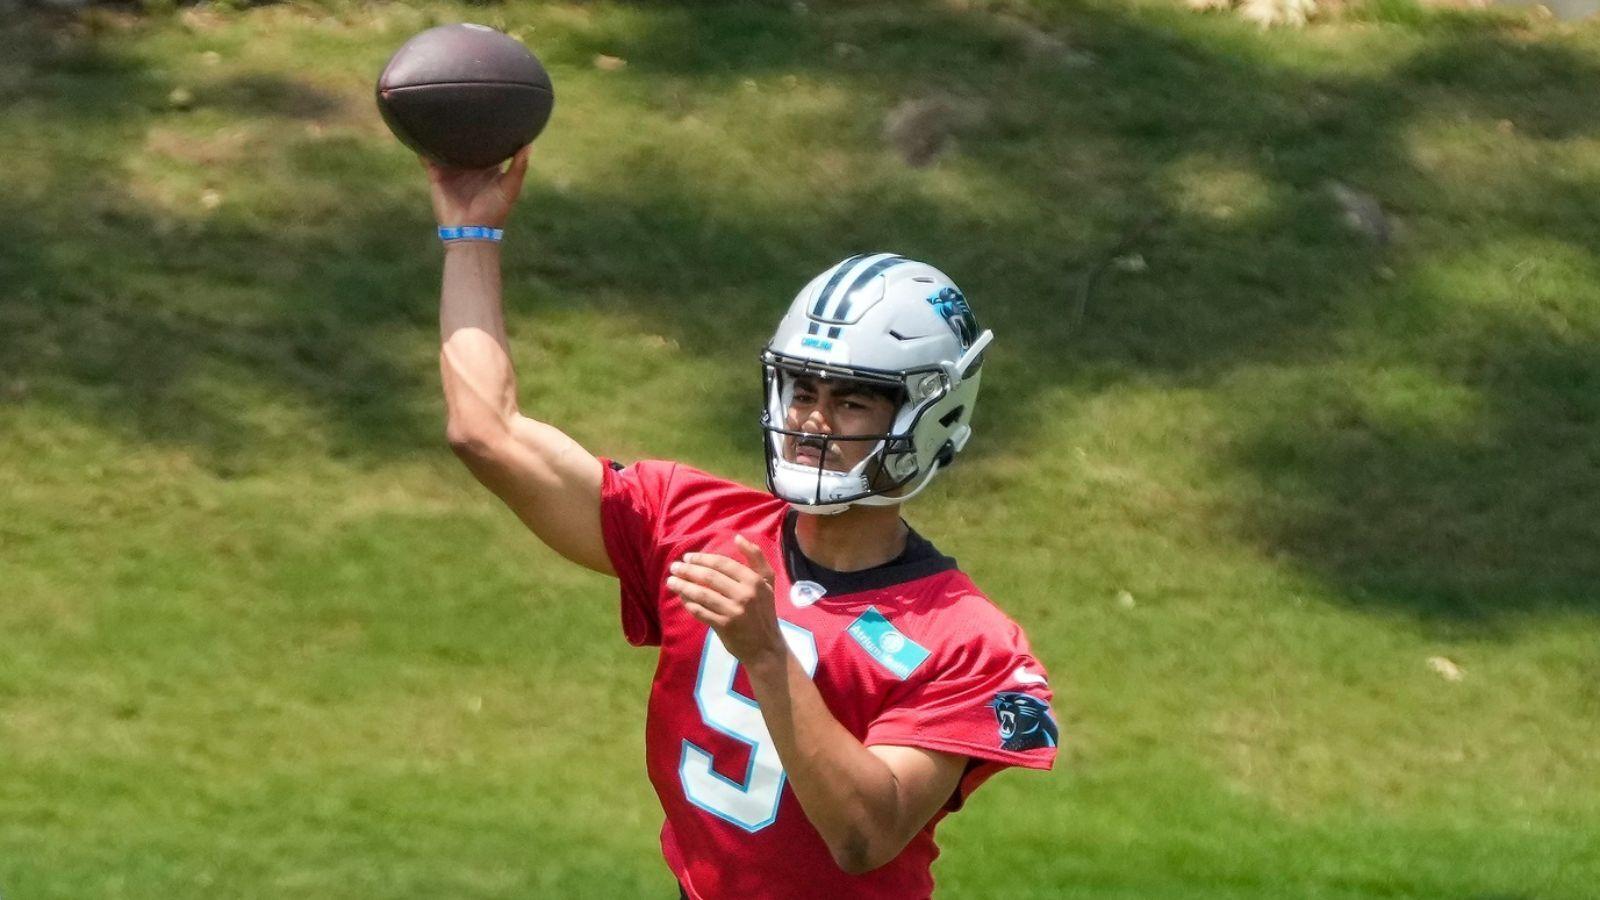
687,746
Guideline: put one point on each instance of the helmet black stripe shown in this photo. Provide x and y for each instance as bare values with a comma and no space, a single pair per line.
838,276
862,280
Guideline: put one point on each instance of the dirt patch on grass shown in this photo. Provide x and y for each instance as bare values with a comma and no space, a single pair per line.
260,94
226,146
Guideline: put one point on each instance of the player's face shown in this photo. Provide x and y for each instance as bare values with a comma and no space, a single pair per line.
835,407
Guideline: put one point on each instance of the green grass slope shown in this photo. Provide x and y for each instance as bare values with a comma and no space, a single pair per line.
265,638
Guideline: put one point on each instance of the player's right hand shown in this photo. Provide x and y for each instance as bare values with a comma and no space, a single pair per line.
476,196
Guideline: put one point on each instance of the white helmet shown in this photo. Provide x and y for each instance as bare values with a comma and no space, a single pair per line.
886,320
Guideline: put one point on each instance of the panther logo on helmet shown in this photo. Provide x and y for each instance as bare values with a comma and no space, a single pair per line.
952,306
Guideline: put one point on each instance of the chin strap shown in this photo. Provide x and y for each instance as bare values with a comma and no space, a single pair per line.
833,509
887,500
791,480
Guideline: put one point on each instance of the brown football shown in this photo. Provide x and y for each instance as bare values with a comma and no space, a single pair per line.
465,95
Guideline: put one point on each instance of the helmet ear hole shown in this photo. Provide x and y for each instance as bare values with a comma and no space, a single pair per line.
952,417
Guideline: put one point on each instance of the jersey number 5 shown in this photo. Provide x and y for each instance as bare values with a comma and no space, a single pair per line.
753,803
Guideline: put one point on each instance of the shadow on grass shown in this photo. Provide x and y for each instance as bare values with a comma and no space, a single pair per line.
1491,517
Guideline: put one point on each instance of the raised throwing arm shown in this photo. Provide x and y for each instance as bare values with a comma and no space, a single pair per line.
544,476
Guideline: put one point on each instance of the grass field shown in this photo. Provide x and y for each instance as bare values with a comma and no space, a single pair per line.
265,638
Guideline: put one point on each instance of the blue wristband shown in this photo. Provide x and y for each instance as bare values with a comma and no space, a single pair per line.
469,233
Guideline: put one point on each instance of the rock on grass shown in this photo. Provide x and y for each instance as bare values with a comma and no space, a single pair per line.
921,129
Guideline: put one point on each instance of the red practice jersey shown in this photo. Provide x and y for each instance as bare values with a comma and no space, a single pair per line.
908,653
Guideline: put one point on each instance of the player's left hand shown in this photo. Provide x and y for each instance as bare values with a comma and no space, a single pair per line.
734,598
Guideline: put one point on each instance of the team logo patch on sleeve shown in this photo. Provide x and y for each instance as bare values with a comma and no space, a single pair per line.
886,644
1025,721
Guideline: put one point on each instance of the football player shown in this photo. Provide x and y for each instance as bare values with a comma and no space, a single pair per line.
829,685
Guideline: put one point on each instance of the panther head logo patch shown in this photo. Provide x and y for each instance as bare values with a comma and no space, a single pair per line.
949,303
1025,721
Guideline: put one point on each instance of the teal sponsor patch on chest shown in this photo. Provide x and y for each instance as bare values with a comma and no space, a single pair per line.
886,644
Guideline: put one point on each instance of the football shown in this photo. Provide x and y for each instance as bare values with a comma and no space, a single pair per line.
465,96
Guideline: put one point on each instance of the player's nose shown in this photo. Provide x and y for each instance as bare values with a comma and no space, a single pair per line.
817,422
